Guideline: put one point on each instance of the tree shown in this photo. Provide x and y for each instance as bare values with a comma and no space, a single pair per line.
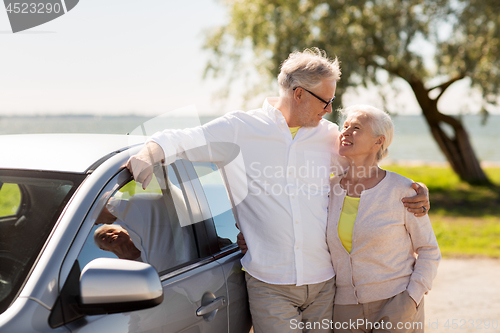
377,42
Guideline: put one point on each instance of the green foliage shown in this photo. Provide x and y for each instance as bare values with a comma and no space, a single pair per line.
474,46
10,198
370,37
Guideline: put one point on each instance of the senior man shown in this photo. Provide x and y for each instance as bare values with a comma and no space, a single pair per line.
287,151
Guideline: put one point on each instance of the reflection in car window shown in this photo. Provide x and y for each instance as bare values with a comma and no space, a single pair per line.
218,200
151,225
10,199
131,188
31,202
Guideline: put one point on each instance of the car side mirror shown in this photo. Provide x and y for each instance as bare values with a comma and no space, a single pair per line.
117,285
106,286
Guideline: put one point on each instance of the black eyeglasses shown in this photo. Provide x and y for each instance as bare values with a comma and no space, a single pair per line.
321,99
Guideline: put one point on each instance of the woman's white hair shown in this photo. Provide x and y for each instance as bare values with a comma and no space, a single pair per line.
380,123
103,228
307,69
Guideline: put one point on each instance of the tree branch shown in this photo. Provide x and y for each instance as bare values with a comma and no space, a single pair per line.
396,71
445,85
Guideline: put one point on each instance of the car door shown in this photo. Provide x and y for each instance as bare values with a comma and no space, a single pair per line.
211,184
195,292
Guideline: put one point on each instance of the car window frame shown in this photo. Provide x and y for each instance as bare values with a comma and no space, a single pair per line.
204,205
228,257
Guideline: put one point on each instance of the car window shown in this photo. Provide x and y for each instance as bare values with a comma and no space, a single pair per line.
151,225
220,206
10,199
30,204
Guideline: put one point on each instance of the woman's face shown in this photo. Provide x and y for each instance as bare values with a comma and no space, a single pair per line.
356,138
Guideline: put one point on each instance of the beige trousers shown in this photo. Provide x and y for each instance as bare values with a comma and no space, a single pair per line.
290,308
395,314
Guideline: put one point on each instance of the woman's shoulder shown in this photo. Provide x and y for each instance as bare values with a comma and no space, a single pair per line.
397,178
398,182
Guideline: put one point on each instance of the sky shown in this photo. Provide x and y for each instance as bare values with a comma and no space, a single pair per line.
119,57
110,57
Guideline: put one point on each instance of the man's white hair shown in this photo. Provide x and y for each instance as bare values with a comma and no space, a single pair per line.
307,70
380,123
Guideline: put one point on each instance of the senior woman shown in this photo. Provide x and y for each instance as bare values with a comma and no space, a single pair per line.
384,257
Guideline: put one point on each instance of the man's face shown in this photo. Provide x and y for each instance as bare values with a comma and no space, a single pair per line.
113,238
312,110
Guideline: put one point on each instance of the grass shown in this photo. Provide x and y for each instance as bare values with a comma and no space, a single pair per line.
467,237
465,218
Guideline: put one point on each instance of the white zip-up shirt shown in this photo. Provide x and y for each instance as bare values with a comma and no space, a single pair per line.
281,187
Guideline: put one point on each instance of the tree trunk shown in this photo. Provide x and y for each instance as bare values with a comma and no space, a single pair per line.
457,149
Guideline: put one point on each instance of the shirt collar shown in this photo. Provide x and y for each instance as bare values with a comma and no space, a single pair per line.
272,112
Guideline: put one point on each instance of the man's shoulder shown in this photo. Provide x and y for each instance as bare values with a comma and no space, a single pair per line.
328,125
251,116
236,113
246,114
325,131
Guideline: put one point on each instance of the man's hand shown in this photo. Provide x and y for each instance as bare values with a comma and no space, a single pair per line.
242,244
141,165
418,204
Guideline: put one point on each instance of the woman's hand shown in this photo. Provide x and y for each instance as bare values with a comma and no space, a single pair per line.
419,204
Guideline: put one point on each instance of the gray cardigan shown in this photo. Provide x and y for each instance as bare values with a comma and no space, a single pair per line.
392,250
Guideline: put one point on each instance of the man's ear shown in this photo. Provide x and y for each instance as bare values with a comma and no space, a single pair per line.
297,93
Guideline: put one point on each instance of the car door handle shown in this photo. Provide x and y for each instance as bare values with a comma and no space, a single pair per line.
214,305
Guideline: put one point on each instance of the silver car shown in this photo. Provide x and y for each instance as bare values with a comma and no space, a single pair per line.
54,277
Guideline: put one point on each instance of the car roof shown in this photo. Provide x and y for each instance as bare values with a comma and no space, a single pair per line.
60,152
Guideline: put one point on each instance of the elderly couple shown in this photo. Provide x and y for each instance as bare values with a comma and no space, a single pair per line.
312,240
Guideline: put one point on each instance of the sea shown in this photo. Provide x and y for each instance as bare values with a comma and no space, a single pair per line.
412,141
